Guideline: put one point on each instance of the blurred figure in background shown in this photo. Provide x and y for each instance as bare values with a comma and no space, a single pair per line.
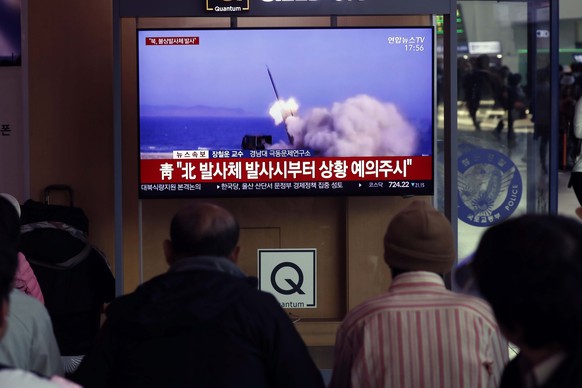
567,107
541,114
25,279
576,175
478,84
29,342
512,101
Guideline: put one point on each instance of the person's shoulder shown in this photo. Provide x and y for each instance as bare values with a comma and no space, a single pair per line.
17,296
160,283
473,305
187,283
26,307
251,293
469,75
256,302
366,310
12,377
124,305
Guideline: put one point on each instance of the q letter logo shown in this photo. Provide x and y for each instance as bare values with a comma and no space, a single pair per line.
290,275
295,286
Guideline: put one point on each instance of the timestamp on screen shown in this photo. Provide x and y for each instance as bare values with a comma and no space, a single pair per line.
414,47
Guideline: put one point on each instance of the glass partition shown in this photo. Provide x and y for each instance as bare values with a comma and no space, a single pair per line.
504,115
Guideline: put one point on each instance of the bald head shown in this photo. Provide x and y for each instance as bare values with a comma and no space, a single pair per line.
203,229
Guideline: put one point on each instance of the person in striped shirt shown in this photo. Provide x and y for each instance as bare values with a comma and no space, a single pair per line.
529,268
418,333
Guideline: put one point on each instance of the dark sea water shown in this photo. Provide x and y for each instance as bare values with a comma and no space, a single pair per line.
165,134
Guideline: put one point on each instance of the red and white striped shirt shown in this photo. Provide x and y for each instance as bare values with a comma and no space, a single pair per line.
419,334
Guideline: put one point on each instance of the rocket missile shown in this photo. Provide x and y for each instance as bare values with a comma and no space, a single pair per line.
277,96
273,83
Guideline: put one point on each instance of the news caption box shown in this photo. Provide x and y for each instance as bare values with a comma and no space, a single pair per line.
290,275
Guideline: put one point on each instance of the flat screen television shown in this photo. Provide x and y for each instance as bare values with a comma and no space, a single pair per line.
10,33
285,112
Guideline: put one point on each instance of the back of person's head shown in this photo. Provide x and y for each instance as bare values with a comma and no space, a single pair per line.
9,235
567,80
203,229
9,220
8,264
529,268
10,198
514,79
419,238
483,61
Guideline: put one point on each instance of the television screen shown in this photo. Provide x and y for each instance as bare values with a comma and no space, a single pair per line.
10,33
284,112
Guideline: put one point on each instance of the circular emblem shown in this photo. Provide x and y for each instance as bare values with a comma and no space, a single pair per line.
489,185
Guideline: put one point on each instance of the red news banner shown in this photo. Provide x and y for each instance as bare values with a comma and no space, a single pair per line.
306,169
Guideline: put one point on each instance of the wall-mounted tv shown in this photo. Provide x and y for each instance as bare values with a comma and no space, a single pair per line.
284,112
10,33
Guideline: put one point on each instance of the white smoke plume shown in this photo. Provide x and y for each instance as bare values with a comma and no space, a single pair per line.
359,126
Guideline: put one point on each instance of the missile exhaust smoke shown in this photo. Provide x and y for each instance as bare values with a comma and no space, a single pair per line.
360,125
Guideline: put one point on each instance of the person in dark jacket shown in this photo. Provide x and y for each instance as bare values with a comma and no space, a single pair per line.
201,324
529,268
512,101
479,83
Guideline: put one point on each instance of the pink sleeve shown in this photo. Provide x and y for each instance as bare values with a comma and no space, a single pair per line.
64,383
25,280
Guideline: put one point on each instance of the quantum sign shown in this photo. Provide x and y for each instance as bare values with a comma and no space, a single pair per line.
290,275
227,5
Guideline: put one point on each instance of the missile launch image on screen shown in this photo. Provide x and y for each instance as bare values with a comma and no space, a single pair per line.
337,92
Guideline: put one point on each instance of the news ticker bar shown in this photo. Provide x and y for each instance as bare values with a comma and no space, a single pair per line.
305,169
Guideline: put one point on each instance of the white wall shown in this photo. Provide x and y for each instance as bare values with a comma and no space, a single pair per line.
570,9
